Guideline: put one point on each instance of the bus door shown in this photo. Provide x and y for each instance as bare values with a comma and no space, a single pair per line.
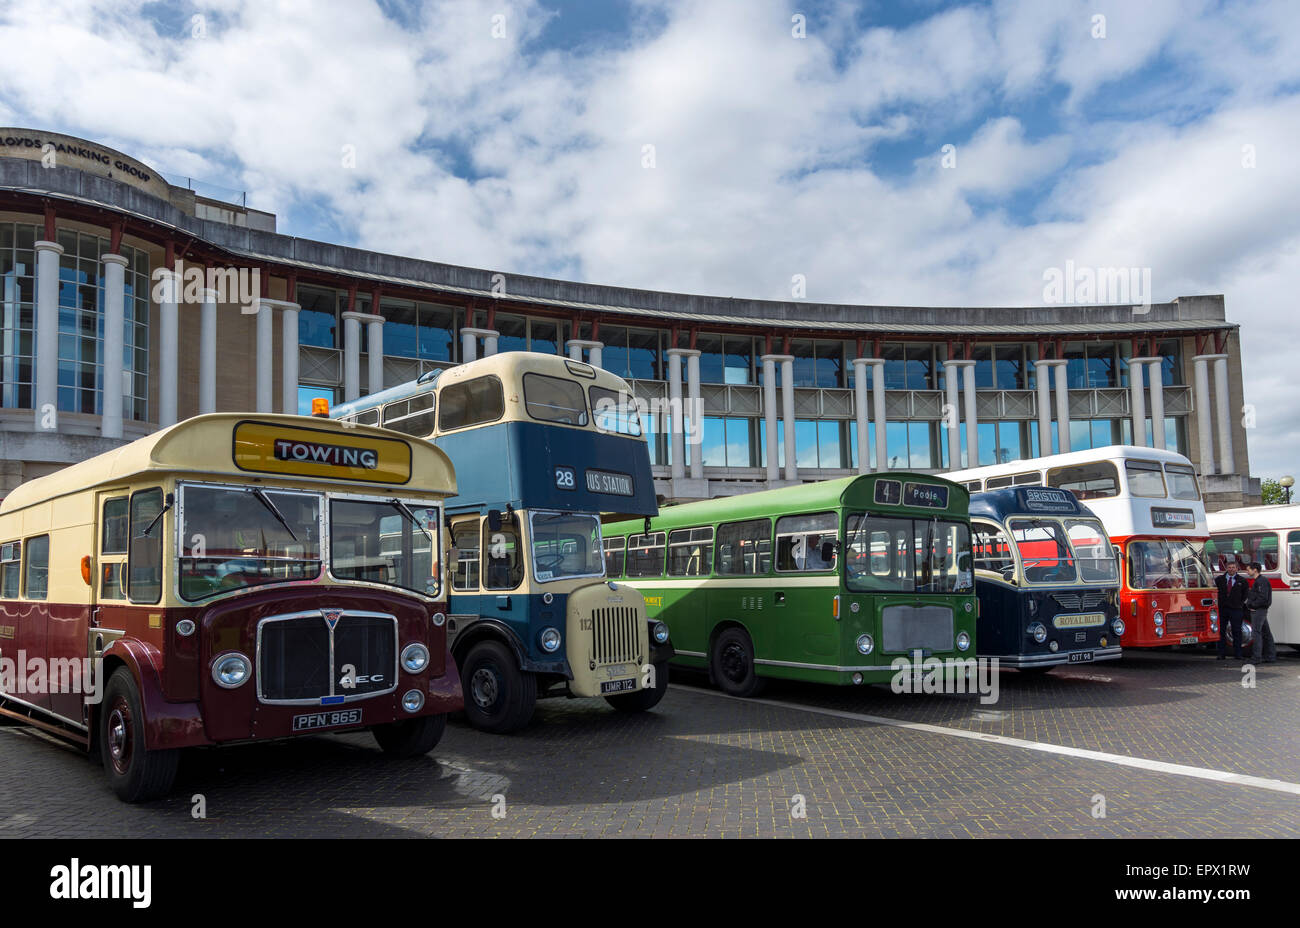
108,614
465,592
24,563
502,572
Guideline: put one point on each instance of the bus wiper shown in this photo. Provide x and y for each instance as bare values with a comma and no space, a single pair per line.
271,508
406,511
167,505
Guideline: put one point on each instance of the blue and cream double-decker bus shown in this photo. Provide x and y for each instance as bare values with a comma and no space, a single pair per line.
542,446
1047,579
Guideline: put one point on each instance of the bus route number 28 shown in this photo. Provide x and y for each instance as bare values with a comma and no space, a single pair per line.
565,478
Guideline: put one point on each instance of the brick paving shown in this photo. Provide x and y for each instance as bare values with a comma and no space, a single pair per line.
702,764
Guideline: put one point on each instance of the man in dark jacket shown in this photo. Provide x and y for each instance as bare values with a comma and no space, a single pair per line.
1232,607
1258,600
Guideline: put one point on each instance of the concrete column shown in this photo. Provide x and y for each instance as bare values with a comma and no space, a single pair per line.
265,343
114,344
769,416
490,345
972,420
45,396
787,416
674,410
1226,463
878,416
351,356
1156,376
169,353
468,345
208,352
952,415
374,354
1204,431
575,346
860,407
1062,407
289,358
1043,377
1137,401
695,408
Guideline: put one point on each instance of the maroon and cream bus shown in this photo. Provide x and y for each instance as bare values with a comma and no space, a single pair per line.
231,578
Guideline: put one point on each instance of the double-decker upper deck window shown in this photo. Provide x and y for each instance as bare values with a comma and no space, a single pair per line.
553,399
1145,479
745,548
690,552
1098,480
367,417
471,403
234,537
806,543
144,563
412,416
1182,482
36,583
615,411
645,555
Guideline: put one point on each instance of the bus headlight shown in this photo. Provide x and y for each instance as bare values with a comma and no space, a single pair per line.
1053,646
1214,621
1038,632
415,657
549,640
231,671
413,701
1159,619
866,644
1160,632
963,641
1118,626
660,633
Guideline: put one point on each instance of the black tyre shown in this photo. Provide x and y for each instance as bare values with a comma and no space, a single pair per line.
645,699
732,664
135,773
499,697
411,738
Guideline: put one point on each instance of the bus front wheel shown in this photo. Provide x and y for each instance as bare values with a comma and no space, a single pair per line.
645,699
499,697
411,738
135,773
732,663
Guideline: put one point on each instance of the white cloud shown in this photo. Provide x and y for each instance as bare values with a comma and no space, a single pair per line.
769,153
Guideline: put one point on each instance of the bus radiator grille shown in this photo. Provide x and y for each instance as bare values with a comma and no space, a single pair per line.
1074,602
910,628
293,661
616,636
1184,623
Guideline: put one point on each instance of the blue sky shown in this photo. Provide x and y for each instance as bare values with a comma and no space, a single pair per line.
723,146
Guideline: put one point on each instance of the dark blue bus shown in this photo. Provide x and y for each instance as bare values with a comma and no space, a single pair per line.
1046,577
542,446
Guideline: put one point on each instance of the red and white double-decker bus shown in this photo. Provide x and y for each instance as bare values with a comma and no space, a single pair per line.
230,578
1150,503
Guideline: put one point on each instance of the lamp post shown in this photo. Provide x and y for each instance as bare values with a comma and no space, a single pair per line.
1287,483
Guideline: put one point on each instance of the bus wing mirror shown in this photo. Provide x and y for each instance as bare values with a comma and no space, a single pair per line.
828,551
494,520
647,526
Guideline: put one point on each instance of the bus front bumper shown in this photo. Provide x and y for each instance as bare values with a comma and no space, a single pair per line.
1059,658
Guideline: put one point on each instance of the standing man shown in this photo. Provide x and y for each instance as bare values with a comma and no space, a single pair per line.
1258,599
1232,607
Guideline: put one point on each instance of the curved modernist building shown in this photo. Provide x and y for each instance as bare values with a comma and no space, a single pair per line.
101,345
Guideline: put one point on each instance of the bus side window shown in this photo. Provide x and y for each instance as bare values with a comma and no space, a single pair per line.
992,550
144,561
614,555
645,555
11,569
744,548
1293,553
112,548
411,417
503,567
36,574
806,543
464,535
690,552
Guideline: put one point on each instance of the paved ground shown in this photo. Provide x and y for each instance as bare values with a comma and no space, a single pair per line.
703,764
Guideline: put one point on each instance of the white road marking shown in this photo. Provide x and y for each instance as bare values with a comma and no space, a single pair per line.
1121,760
